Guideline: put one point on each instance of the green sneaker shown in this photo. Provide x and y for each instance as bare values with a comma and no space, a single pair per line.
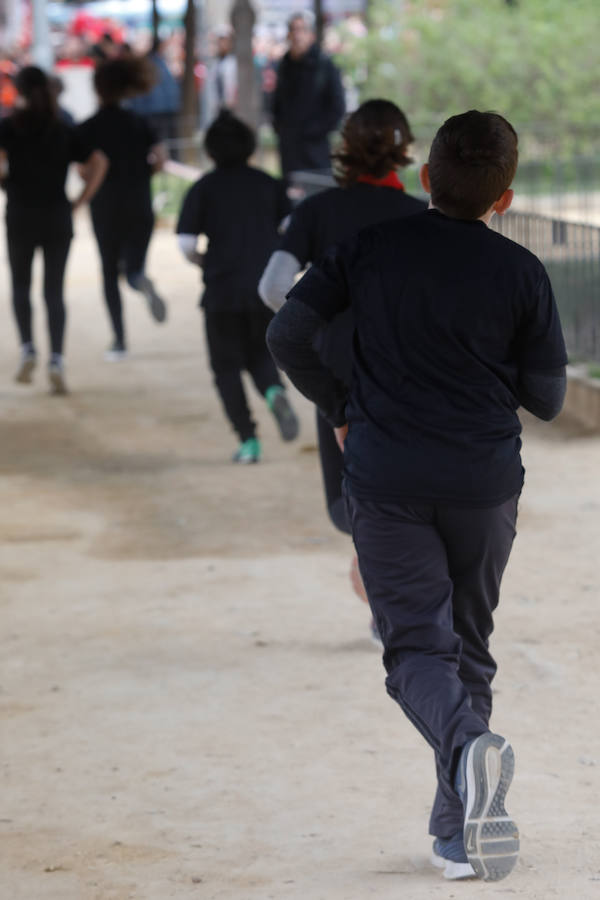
285,416
247,452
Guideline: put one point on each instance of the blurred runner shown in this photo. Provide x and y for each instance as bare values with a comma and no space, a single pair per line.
122,213
239,209
375,142
36,147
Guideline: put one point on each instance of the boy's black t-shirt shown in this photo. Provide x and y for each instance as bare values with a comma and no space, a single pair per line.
327,218
239,210
39,155
448,315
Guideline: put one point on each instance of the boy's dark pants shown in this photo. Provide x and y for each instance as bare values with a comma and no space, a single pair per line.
236,342
432,575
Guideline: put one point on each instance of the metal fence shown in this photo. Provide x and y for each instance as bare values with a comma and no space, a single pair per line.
571,255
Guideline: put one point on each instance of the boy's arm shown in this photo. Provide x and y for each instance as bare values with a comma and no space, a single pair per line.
190,224
295,250
317,298
542,355
187,244
543,393
278,278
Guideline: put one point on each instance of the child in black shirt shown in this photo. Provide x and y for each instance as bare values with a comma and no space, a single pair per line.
456,327
239,209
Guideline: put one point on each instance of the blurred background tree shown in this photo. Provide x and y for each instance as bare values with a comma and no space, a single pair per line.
535,61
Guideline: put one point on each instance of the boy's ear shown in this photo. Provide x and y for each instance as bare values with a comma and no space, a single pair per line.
424,177
503,202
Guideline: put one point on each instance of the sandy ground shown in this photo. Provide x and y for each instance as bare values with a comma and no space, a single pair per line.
190,704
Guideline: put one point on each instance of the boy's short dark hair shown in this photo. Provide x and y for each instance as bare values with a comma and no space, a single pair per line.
229,141
472,161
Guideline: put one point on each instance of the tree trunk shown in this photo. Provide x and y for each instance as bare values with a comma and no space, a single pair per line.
319,20
155,22
242,20
189,110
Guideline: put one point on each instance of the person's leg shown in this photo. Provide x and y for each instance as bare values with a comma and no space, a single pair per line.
226,353
404,567
107,233
56,251
478,544
332,465
263,371
135,250
20,256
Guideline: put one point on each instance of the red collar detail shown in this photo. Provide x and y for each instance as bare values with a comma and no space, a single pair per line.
389,180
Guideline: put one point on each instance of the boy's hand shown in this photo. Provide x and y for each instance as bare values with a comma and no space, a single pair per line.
340,435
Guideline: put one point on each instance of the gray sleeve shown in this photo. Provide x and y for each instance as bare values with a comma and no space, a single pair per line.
278,279
543,393
290,338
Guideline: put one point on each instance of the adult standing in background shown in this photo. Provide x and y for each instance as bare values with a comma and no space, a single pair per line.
36,148
221,86
308,102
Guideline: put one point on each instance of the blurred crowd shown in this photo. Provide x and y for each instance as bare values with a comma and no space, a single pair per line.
87,40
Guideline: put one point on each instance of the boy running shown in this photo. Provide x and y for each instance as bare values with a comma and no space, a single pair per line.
239,209
456,327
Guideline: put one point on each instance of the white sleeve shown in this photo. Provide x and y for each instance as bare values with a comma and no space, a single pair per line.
278,279
187,245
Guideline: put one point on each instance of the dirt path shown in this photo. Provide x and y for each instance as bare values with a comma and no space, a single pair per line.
190,705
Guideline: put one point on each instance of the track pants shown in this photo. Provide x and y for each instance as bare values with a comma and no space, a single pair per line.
236,342
54,244
432,576
123,228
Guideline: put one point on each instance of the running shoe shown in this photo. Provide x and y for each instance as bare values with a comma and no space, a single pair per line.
247,452
491,838
449,854
156,305
116,352
286,418
27,364
56,377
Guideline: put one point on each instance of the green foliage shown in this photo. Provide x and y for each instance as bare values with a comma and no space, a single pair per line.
535,62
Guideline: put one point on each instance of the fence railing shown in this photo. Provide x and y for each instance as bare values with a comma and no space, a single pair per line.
571,255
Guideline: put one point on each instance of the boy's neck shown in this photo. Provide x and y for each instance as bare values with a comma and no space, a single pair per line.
486,218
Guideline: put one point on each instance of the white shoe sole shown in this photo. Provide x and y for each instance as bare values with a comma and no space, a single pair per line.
57,383
490,835
25,371
453,871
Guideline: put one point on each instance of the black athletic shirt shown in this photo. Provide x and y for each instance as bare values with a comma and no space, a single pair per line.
126,139
323,220
239,210
449,315
38,160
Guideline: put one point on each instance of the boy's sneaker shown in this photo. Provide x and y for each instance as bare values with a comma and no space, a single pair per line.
491,838
156,305
449,855
247,452
27,364
285,416
116,352
56,377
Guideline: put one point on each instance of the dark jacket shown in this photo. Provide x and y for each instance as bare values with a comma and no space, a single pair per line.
308,105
